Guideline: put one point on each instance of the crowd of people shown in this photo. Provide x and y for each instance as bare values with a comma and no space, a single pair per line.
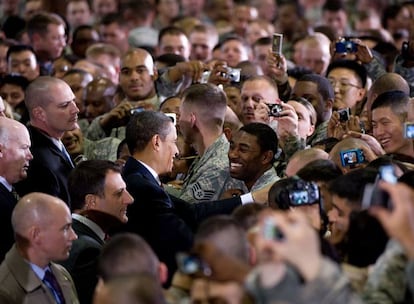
177,151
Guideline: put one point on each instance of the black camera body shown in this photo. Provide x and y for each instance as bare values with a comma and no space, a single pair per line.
345,45
275,109
352,157
303,193
344,114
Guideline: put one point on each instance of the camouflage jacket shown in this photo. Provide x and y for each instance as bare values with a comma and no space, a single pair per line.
209,175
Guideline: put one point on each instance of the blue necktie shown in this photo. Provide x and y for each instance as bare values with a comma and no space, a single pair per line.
53,285
65,152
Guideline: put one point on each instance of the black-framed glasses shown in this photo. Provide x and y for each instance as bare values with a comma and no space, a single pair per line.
343,84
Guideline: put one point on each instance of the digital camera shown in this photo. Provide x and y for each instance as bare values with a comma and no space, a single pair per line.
136,110
345,46
344,114
303,193
352,157
275,109
374,195
409,130
232,74
191,264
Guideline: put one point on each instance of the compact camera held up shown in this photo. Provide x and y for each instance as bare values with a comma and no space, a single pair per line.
345,46
275,109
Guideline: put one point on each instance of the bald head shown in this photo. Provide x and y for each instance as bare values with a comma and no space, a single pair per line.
38,92
351,143
35,209
9,128
301,158
141,56
385,83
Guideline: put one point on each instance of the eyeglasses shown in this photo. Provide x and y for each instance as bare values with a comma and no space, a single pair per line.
343,84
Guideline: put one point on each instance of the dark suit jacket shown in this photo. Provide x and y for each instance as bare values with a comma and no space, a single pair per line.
48,171
20,284
7,203
165,222
82,260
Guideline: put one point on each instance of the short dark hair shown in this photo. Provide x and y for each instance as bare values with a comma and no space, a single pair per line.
89,178
323,84
143,126
226,234
334,6
396,100
110,18
355,180
320,170
81,28
120,251
170,30
352,65
16,80
18,48
266,136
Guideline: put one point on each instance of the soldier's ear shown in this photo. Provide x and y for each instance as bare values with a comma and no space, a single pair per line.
267,157
90,201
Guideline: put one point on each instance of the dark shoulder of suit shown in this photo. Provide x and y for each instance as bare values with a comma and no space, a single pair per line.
82,261
48,171
7,204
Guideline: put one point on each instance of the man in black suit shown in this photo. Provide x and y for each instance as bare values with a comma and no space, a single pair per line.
165,222
15,156
99,200
52,110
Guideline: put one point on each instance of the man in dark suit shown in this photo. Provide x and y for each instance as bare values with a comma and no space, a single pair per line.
165,222
43,232
99,200
15,156
52,110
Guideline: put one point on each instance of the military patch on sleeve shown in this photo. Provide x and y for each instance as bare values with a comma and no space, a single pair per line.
200,194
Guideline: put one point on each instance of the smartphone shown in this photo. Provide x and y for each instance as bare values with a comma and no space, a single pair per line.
277,43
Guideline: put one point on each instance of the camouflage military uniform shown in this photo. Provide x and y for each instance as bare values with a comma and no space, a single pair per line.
294,144
269,177
101,149
209,175
406,73
387,282
96,132
321,133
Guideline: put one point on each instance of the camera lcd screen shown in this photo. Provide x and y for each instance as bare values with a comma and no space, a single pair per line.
350,157
299,197
409,130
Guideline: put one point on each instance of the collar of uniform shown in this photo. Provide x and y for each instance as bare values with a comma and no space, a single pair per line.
92,225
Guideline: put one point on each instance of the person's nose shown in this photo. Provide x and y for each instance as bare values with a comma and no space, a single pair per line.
128,199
